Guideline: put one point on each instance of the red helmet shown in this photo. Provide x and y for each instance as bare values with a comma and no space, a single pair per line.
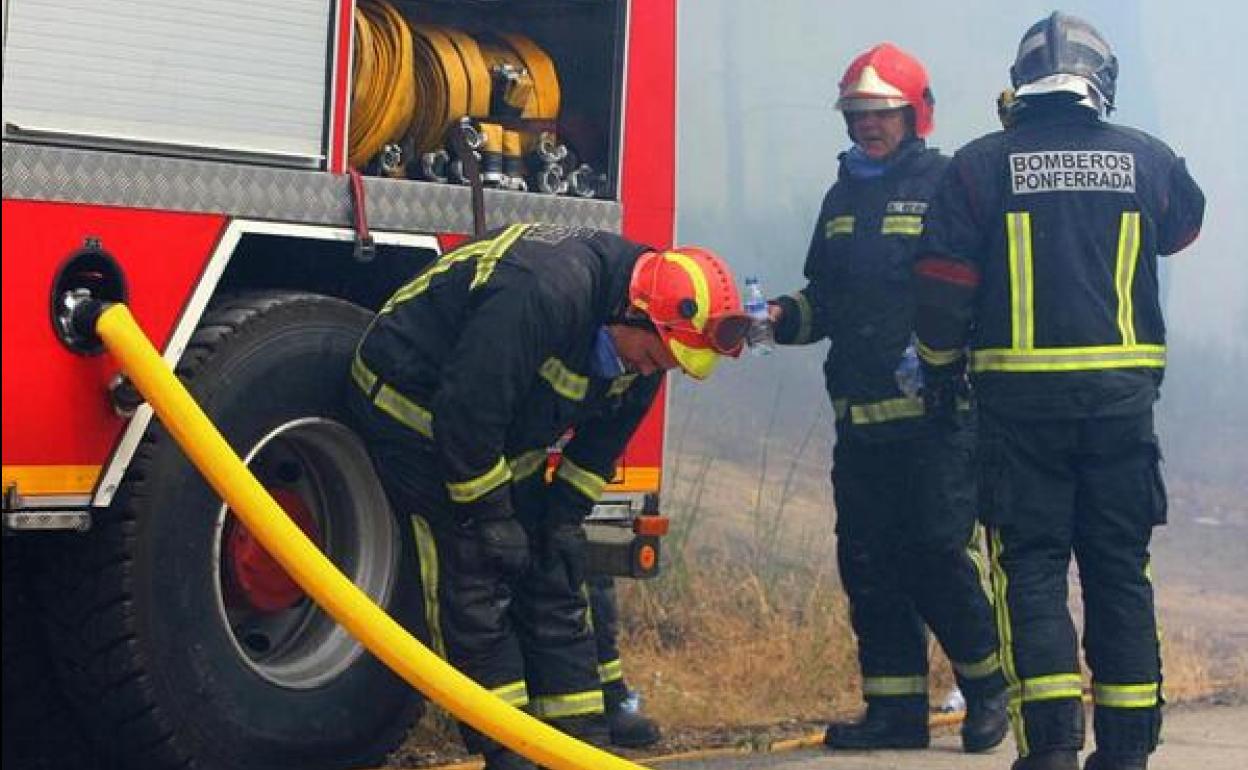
885,78
690,296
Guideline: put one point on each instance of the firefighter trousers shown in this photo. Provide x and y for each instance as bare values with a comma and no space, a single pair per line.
909,557
527,639
1091,488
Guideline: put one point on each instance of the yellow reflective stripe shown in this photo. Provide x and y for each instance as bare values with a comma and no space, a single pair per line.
976,553
1001,607
427,554
476,488
620,384
701,289
406,411
806,317
980,668
421,282
587,483
498,247
1068,359
1126,696
362,375
1050,687
1022,312
938,357
840,407
838,226
886,411
527,464
513,694
566,382
1124,273
571,705
876,686
611,671
902,224
391,401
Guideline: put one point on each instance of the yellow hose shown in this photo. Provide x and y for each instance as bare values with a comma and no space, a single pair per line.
316,574
383,97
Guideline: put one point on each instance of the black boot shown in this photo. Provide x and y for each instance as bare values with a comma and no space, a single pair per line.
890,723
986,723
630,728
1103,760
506,759
1049,760
593,729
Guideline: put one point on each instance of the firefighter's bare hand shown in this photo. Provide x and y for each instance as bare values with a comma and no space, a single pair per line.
504,545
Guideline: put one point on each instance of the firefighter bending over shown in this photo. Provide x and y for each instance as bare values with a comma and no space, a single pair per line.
1040,252
902,481
466,377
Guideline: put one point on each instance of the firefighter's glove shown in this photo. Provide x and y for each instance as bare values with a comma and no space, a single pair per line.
504,545
564,546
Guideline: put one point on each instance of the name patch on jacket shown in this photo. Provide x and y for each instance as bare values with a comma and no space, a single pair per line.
1072,171
906,207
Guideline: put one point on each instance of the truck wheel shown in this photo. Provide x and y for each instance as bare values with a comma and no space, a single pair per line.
182,643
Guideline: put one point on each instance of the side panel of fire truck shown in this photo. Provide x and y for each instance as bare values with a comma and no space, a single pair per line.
189,159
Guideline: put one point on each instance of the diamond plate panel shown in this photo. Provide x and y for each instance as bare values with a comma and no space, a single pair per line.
286,195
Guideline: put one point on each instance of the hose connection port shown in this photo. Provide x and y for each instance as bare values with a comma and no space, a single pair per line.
89,280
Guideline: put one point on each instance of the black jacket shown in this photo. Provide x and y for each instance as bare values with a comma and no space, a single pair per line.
1062,217
859,294
485,354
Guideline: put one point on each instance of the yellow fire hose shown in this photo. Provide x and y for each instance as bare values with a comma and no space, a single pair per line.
264,518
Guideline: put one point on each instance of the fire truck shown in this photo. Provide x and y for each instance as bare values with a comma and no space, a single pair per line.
253,178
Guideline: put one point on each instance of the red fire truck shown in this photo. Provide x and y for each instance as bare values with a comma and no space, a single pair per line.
201,162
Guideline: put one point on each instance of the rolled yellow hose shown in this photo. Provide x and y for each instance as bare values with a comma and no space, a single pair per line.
383,95
264,518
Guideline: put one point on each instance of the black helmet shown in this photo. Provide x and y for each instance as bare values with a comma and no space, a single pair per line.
1064,45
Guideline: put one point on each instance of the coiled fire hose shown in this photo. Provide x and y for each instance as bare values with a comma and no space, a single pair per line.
384,91
285,541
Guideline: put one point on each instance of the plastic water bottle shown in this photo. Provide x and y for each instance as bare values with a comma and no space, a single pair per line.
762,337
909,374
632,702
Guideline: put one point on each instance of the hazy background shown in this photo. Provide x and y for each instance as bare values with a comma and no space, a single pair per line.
758,142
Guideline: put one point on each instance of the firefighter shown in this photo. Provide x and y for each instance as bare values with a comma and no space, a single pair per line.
629,728
466,377
902,482
1040,253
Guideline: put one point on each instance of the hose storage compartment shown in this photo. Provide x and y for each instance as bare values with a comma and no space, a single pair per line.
550,71
184,640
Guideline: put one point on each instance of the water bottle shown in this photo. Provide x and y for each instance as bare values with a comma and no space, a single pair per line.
909,374
632,702
762,338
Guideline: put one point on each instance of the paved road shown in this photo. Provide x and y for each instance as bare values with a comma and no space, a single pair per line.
1196,738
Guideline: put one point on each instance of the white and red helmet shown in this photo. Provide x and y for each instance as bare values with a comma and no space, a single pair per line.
886,78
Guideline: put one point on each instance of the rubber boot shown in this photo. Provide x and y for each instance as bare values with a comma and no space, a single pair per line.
630,728
593,729
1103,760
890,723
1049,760
986,722
506,759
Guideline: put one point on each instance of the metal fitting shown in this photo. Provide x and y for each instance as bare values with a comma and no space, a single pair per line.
584,182
435,165
549,149
390,160
550,180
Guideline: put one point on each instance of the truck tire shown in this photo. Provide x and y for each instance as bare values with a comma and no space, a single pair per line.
179,644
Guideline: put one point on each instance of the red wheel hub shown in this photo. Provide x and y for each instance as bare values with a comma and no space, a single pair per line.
259,581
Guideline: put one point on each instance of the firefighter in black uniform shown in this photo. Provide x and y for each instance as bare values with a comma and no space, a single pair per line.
1040,253
468,374
903,483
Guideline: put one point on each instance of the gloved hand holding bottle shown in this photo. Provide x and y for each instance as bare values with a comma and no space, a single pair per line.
762,336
